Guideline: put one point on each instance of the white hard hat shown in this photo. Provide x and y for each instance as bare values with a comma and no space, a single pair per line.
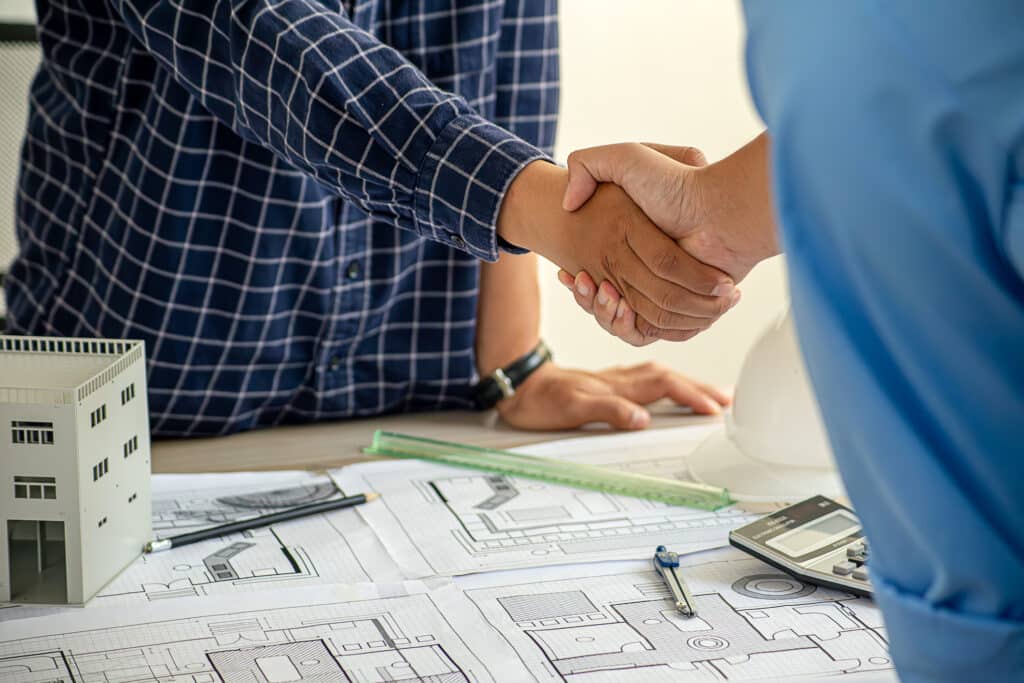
772,446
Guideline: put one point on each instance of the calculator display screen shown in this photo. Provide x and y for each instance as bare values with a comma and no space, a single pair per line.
814,534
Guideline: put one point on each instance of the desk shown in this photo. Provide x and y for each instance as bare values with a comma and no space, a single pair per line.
335,444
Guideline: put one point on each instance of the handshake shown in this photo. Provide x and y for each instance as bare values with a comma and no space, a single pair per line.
651,239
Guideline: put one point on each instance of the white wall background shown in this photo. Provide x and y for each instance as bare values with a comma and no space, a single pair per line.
658,70
665,71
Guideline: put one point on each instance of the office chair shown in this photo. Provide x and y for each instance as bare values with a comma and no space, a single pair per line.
19,59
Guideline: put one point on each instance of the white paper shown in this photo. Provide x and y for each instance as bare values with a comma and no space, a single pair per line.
440,520
616,623
343,634
333,547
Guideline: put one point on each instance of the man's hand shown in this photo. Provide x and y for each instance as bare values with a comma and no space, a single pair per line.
555,398
674,295
720,214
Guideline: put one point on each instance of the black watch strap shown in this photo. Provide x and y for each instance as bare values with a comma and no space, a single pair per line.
503,382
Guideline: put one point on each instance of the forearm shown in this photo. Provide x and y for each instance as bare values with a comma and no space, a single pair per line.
737,191
508,312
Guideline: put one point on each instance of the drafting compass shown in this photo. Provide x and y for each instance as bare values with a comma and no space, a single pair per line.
667,564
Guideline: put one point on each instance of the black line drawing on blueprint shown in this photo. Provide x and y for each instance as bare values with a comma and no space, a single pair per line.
315,549
403,639
334,547
752,622
458,522
177,512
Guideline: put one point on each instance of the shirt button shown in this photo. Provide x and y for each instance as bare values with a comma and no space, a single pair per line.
353,271
334,364
457,240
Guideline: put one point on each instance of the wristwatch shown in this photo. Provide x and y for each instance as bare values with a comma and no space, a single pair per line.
503,382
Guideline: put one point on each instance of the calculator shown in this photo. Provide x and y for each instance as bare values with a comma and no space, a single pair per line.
818,541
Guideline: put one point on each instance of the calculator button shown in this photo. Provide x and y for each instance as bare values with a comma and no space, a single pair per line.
856,550
861,573
844,568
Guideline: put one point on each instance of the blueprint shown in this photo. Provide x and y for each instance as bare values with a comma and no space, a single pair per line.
334,547
440,520
591,624
578,624
552,584
329,634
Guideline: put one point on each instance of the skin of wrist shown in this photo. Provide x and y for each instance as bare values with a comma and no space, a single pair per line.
742,218
533,198
500,355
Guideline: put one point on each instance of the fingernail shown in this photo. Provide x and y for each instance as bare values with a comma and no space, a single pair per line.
582,289
713,408
736,296
723,289
621,309
640,418
602,298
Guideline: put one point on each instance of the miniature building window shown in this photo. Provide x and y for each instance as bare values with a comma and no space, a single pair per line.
100,469
97,416
36,433
130,446
35,488
128,393
131,498
102,522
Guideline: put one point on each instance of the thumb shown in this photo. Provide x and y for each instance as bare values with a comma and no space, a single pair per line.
617,411
606,164
691,156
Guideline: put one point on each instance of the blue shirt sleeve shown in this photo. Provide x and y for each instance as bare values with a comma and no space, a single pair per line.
898,162
333,101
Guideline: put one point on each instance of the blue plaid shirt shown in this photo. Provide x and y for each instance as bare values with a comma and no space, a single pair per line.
287,199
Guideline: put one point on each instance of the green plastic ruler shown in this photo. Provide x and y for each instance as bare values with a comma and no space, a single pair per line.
593,477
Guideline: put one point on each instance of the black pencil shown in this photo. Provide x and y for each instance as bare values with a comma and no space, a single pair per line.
254,522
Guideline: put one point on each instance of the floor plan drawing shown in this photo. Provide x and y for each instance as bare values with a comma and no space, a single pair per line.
332,635
441,520
335,547
752,622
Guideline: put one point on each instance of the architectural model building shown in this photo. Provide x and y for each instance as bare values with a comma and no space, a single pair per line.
74,465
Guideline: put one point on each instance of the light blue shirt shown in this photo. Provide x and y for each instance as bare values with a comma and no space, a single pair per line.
898,162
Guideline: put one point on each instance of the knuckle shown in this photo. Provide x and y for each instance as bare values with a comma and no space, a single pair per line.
633,148
665,320
696,156
609,262
666,262
722,305
670,300
657,369
646,329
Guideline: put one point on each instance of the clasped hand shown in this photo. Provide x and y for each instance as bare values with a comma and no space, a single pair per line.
719,215
671,294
